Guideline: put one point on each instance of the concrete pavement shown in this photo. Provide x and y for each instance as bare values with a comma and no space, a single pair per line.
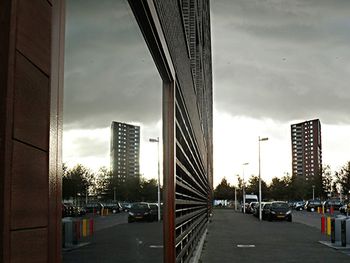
271,241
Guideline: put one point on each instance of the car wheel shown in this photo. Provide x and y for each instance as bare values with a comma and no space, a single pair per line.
312,209
130,220
270,218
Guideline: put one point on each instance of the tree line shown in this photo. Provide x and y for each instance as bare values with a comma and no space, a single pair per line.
326,185
79,181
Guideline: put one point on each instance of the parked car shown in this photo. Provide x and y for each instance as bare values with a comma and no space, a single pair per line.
265,210
278,211
140,212
345,209
251,207
299,205
154,211
312,205
256,210
113,207
335,203
93,208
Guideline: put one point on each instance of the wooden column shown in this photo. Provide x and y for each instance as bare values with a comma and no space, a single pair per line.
31,71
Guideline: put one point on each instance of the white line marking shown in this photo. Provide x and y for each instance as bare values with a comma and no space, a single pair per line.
156,246
245,246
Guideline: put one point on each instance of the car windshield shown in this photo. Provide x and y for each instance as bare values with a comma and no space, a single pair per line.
139,206
279,205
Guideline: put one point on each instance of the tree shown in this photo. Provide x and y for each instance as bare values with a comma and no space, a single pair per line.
327,182
76,181
224,191
253,187
149,190
343,178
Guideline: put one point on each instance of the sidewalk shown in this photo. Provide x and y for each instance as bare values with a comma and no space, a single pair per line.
273,241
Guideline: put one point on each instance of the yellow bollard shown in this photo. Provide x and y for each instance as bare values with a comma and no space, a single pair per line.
328,226
322,209
318,209
84,227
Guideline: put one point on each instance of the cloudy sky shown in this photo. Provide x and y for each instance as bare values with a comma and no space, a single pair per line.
275,62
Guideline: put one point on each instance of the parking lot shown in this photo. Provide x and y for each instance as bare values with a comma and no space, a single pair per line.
115,240
236,237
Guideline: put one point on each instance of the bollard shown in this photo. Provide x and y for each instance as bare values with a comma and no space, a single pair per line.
91,226
84,227
328,226
94,211
323,209
318,209
331,210
63,239
323,224
76,230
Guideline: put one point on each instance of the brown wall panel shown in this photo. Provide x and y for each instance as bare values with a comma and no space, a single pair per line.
32,108
34,32
29,246
29,195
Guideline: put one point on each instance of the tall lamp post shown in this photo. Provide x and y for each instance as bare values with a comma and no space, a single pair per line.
244,189
313,192
157,141
260,214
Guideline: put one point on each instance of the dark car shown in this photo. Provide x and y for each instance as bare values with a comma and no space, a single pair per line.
113,207
140,212
93,208
154,211
299,205
265,210
336,204
278,211
312,205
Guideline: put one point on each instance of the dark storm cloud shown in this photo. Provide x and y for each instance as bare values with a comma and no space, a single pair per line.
282,59
109,73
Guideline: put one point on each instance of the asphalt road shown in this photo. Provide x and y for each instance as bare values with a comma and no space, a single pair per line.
270,241
117,241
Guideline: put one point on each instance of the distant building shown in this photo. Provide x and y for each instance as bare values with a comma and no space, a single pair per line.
306,149
125,150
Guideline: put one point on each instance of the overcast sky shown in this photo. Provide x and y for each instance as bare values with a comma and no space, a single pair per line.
275,62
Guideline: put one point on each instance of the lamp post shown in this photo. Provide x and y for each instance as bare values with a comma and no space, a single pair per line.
157,141
260,214
313,192
243,192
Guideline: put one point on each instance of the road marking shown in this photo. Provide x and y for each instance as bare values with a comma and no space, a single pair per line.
156,246
245,246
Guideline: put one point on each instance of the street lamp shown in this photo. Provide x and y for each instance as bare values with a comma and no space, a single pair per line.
157,141
260,214
244,188
313,192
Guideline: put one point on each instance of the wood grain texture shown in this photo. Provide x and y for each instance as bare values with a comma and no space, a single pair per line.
29,246
29,195
31,105
34,32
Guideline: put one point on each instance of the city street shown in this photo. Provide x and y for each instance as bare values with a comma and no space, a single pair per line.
236,237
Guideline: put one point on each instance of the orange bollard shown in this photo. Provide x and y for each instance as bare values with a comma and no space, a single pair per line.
323,225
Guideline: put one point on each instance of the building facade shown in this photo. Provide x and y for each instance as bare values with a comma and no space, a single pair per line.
125,151
306,149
